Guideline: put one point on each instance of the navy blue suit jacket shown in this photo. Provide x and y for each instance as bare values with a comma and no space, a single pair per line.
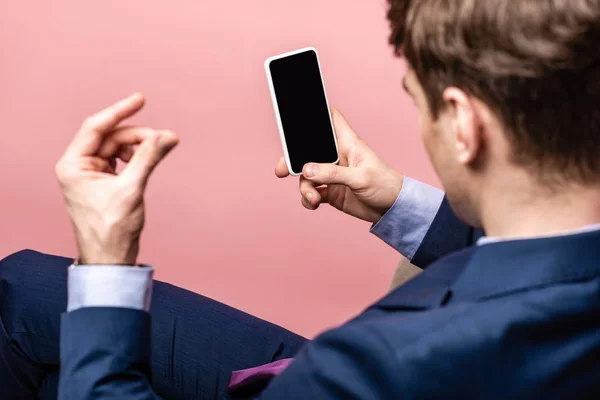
517,319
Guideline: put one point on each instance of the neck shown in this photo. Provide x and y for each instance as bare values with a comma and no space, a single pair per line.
520,208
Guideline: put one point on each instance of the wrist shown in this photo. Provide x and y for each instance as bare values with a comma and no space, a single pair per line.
112,246
95,253
105,259
394,185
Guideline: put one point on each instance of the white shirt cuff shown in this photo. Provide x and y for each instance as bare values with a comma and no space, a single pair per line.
405,224
109,286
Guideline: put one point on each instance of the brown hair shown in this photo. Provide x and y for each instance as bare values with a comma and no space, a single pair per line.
536,63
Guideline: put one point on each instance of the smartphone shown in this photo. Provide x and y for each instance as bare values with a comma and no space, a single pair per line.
301,109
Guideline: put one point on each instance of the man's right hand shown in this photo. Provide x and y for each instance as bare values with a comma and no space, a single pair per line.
361,184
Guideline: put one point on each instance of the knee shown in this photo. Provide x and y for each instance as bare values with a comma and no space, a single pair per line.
9,265
32,285
32,296
26,266
12,274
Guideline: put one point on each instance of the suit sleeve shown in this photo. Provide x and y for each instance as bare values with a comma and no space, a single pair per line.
446,235
346,363
105,354
406,223
422,226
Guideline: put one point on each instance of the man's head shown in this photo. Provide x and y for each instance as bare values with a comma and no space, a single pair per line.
503,85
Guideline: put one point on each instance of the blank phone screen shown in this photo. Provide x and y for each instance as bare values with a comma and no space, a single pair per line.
303,110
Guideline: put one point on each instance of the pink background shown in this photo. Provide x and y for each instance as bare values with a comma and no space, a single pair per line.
219,222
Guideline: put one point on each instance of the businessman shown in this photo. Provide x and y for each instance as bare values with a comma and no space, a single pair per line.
507,94
186,327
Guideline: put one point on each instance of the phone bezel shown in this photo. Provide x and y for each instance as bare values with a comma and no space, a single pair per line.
276,105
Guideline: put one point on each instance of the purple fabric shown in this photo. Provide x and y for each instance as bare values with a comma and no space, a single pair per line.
265,373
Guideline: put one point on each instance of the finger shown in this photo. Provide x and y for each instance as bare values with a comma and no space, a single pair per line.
327,174
309,205
324,194
309,191
90,137
122,137
343,130
147,156
96,164
125,153
281,170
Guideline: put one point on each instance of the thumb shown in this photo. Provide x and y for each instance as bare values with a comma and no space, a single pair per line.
147,156
327,174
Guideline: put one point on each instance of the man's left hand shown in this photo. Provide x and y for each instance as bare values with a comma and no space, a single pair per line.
106,207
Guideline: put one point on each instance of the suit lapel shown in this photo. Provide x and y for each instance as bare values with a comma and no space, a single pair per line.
428,289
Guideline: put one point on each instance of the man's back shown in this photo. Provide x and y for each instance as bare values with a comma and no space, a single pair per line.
515,319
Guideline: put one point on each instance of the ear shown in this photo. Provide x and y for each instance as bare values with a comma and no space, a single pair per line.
466,124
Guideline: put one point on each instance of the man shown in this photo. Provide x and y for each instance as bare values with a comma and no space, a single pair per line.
507,94
186,328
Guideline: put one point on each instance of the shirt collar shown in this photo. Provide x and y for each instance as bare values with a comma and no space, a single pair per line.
587,228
